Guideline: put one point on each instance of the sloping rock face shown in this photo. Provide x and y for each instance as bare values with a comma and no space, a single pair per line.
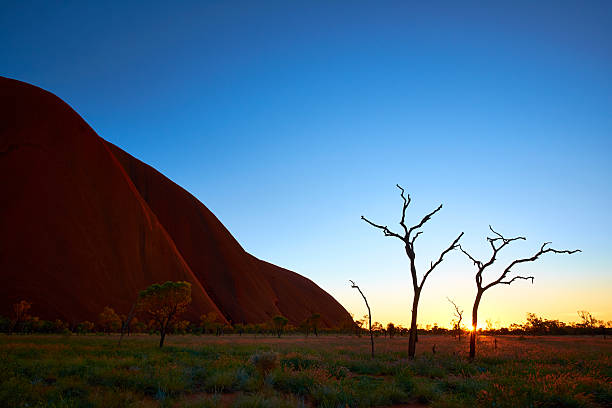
84,225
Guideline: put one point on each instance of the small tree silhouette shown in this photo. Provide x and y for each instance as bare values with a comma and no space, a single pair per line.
498,242
354,286
279,323
459,316
315,320
408,239
391,329
164,303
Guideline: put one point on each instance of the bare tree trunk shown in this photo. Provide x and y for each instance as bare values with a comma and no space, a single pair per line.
127,322
371,334
354,286
163,335
474,324
163,328
412,339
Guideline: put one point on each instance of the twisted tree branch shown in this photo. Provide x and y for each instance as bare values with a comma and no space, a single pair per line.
423,221
433,265
458,312
415,237
385,229
495,250
406,203
354,286
517,277
476,262
543,250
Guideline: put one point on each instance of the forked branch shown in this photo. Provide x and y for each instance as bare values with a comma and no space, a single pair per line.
415,237
407,237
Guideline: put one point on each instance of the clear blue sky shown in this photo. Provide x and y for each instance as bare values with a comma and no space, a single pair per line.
289,120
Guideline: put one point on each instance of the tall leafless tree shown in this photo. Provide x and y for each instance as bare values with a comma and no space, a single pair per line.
498,242
459,316
354,286
408,238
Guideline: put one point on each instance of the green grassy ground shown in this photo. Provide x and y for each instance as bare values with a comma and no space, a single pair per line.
328,371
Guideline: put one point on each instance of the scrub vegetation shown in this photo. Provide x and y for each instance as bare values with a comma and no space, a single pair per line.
324,371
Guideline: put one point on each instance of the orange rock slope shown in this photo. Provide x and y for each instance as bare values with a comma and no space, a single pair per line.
83,225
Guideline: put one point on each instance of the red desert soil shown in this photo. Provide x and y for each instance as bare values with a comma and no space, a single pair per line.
84,225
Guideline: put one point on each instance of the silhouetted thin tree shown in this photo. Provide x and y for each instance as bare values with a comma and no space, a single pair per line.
354,286
315,320
125,323
408,239
279,322
498,242
459,316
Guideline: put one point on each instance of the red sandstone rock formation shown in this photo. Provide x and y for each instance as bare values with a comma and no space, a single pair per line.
83,225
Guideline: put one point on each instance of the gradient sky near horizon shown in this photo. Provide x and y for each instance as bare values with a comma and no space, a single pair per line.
290,120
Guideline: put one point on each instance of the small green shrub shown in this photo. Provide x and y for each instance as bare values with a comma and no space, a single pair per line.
299,362
295,382
425,391
264,362
221,381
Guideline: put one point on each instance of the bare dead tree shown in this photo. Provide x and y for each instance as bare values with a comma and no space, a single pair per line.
354,286
408,237
126,324
498,242
590,323
459,316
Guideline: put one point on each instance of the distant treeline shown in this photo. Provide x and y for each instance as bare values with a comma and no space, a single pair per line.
111,322
534,325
